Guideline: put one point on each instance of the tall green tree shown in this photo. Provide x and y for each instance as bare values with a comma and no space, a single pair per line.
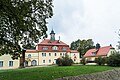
75,45
82,46
22,24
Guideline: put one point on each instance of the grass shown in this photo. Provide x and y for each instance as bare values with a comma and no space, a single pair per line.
49,73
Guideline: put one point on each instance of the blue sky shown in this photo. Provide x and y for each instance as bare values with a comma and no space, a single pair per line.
86,19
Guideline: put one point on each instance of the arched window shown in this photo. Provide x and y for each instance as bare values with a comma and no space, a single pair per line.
54,48
34,63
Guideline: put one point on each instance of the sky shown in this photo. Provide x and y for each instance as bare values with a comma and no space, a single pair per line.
86,19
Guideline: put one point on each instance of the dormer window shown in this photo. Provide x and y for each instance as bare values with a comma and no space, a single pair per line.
64,49
54,48
45,48
93,53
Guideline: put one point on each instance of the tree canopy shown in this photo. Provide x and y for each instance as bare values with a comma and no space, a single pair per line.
82,46
22,24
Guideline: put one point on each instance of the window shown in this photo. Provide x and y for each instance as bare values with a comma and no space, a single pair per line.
54,48
49,54
49,61
43,54
60,54
64,49
34,63
45,48
1,63
29,55
55,54
93,53
10,63
74,59
43,61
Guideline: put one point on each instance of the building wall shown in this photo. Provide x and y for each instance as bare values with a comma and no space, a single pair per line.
90,58
6,62
75,57
30,58
50,57
111,51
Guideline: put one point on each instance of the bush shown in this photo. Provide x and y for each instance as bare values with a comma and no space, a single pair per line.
64,61
100,60
83,61
59,61
114,60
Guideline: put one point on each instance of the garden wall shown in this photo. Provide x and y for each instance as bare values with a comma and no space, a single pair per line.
106,75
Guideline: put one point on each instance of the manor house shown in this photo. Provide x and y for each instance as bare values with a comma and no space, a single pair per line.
48,50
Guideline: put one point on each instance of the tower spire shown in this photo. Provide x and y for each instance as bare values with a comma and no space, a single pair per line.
52,35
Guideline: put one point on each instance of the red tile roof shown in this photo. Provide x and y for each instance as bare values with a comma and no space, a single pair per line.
48,42
103,51
31,51
90,53
73,51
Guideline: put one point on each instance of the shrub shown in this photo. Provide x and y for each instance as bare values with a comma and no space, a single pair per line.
83,61
59,61
100,60
64,61
114,60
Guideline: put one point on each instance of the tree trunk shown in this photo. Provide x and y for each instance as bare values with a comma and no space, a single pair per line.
22,59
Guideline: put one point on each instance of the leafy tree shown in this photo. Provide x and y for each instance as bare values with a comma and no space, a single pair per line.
22,24
82,46
64,61
75,45
114,60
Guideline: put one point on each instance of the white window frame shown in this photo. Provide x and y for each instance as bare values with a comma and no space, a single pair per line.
54,48
43,54
43,61
55,54
45,48
49,60
10,63
49,54
1,63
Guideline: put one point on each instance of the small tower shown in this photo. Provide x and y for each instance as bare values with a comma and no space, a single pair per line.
52,36
97,46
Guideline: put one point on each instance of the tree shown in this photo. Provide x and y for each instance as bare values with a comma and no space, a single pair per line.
75,45
114,60
82,46
83,61
22,24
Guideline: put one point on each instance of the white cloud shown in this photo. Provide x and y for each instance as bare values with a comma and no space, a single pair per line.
83,19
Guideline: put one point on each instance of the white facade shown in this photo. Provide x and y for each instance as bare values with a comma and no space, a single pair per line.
6,62
48,58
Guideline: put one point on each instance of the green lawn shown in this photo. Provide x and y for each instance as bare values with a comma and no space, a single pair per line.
49,73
